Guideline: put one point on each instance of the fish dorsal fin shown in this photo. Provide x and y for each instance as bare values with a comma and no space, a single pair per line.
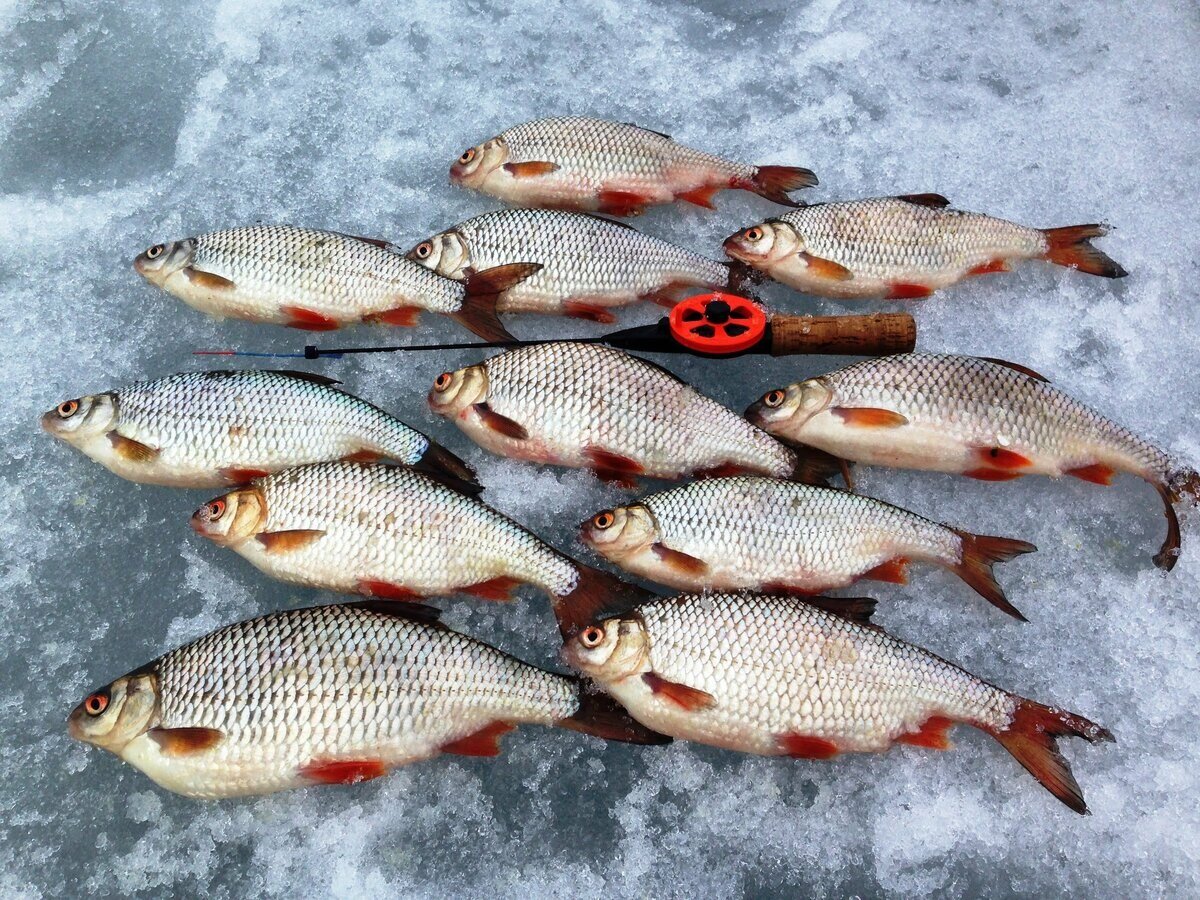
934,201
856,609
605,219
290,373
651,130
662,369
400,609
1016,367
375,242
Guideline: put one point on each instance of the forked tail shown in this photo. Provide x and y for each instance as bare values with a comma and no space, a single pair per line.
595,594
979,553
776,182
1032,738
1072,247
602,716
1181,486
483,290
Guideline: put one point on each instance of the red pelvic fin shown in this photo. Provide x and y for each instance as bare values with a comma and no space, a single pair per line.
776,182
385,590
800,746
900,290
343,771
306,319
687,698
622,203
499,589
988,268
402,316
932,734
500,424
701,196
1097,473
613,467
591,312
1071,247
233,475
983,473
867,417
485,742
531,169
894,571
999,458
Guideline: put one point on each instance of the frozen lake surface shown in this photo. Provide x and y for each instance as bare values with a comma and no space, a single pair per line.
125,124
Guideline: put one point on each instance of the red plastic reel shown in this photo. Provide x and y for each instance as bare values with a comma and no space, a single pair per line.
718,324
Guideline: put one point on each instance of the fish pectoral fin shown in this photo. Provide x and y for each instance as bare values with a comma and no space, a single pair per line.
803,746
983,473
1016,367
904,290
688,698
208,279
856,609
531,169
934,201
343,771
308,320
286,541
185,741
1096,473
622,203
825,268
681,562
128,448
869,417
400,316
932,734
500,424
613,467
701,196
234,475
485,742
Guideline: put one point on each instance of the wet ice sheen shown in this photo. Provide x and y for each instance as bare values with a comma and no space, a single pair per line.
127,124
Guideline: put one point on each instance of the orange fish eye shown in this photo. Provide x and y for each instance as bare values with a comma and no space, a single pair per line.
591,636
215,510
96,703
773,399
604,519
467,156
67,409
442,381
155,251
754,234
423,250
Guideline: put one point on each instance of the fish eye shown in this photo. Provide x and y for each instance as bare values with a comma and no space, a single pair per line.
216,509
96,703
67,409
754,234
155,251
442,381
591,636
423,250
467,156
773,399
604,519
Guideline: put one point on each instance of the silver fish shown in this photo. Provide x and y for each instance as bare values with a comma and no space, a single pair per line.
589,264
764,534
204,429
576,162
903,247
778,677
319,280
983,418
587,406
328,695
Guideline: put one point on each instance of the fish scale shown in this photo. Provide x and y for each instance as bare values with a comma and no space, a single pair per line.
336,682
201,423
583,257
571,397
390,525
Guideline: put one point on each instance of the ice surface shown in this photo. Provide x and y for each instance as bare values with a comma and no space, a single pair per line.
124,124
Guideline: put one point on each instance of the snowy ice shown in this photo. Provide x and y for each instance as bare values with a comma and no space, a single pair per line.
125,124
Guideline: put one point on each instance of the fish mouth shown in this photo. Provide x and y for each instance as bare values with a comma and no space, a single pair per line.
456,174
49,422
753,413
139,266
734,248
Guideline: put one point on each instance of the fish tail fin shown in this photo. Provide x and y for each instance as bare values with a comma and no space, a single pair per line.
776,182
596,592
1181,485
483,290
440,461
818,467
744,280
1032,738
600,715
1071,247
980,552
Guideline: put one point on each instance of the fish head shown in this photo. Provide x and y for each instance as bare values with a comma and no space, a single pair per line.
453,392
232,518
114,715
158,263
620,533
764,244
447,254
477,163
786,410
77,421
610,650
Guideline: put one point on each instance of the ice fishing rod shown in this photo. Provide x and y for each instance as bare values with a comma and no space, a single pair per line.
713,324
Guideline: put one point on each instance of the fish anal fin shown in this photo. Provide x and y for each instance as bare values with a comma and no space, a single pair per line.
983,473
591,312
1097,473
933,734
687,698
903,290
677,560
385,590
991,268
208,280
401,316
701,196
343,771
128,448
869,417
894,571
531,169
826,268
498,423
275,542
308,320
803,746
485,742
622,203
185,741
499,589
